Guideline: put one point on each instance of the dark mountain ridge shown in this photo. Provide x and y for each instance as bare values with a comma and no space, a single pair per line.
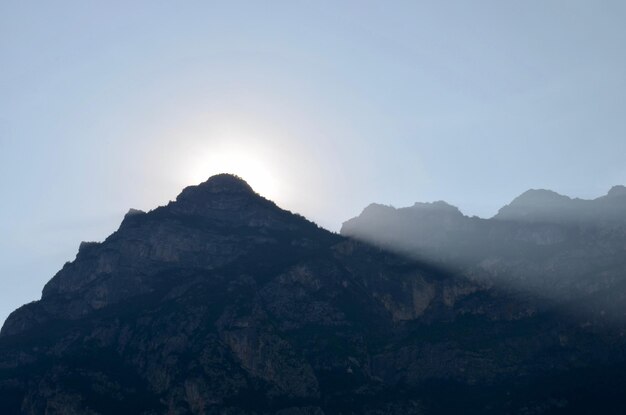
208,226
223,303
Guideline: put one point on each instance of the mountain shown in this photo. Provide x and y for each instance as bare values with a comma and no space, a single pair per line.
222,303
542,243
548,206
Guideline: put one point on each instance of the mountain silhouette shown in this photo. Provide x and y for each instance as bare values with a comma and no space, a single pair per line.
222,303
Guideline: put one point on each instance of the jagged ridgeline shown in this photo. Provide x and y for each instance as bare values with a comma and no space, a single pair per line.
223,303
542,243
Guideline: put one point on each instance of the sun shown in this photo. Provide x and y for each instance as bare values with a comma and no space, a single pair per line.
244,163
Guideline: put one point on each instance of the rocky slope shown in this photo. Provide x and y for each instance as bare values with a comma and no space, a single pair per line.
223,303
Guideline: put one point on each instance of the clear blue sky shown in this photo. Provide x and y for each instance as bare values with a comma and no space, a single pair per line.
324,107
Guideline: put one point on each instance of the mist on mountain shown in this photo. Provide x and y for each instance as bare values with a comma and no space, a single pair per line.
542,244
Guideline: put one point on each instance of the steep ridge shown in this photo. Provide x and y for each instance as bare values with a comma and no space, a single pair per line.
208,226
223,303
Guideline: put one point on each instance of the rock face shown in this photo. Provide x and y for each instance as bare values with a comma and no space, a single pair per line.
223,303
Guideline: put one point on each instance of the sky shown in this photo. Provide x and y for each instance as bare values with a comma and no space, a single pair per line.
323,106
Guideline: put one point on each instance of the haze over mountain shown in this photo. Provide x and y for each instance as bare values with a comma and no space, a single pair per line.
542,242
548,206
221,302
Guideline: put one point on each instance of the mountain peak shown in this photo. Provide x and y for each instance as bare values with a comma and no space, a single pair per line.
438,207
536,204
222,192
539,196
617,191
220,183
225,197
377,208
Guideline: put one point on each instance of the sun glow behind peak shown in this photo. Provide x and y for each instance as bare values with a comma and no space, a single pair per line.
245,163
